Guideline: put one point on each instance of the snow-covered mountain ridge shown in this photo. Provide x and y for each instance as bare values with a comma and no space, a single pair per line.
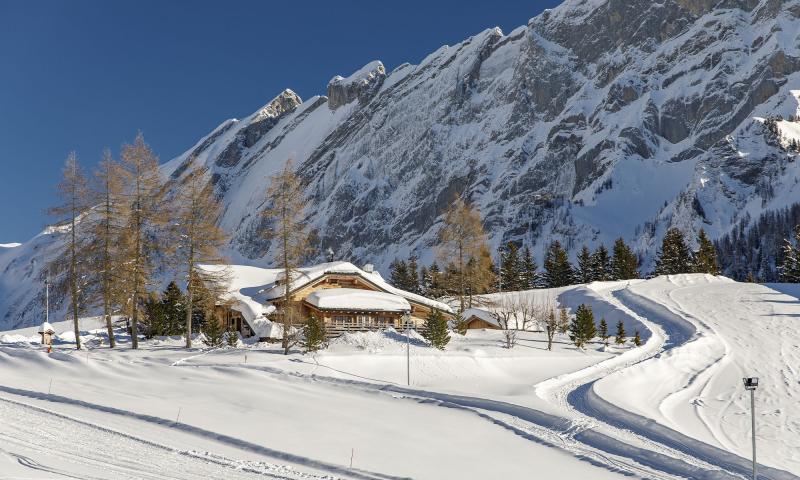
597,119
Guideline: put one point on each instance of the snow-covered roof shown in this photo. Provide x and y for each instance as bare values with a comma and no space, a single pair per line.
46,328
481,314
245,292
357,299
304,276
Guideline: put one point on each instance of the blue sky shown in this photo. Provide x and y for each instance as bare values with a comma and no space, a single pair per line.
83,75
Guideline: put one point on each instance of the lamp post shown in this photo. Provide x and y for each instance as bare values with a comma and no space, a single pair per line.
407,320
751,383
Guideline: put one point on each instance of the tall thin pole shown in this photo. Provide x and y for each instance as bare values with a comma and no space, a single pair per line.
47,298
753,426
408,351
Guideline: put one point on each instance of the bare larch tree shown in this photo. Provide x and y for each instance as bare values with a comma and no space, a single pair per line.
288,232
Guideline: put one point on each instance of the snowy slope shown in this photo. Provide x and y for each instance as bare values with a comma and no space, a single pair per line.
742,329
596,119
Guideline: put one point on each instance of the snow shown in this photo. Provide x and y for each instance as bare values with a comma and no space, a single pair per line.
10,245
46,327
482,314
356,299
673,408
740,329
362,75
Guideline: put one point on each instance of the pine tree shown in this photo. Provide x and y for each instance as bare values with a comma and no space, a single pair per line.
199,238
412,276
563,320
530,276
399,274
213,332
637,340
510,273
288,229
585,266
174,308
140,240
706,257
315,334
674,256
624,263
424,282
462,245
601,264
70,266
620,340
603,331
582,328
789,267
434,282
551,326
436,331
232,337
558,270
154,316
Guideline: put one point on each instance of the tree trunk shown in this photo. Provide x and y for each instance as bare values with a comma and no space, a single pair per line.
189,307
73,284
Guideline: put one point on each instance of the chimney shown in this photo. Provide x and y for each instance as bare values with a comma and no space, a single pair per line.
369,268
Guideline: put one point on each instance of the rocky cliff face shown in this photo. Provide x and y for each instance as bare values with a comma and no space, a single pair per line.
598,119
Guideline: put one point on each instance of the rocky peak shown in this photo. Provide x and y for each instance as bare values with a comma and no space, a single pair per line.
362,85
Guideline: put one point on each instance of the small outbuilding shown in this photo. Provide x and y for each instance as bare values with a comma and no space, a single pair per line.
47,332
477,318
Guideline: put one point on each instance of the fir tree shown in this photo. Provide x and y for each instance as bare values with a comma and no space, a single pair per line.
530,276
436,288
213,332
510,273
706,257
637,340
624,263
582,328
155,316
424,282
789,267
399,275
601,264
620,339
558,270
412,276
232,336
585,266
436,330
603,331
174,308
315,334
674,256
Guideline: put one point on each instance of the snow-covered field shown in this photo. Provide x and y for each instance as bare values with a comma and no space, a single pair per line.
476,410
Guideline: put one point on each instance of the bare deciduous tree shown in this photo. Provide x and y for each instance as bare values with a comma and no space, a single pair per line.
286,211
146,219
199,240
69,266
462,245
107,222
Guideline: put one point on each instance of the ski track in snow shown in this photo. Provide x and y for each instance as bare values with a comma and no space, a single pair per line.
128,456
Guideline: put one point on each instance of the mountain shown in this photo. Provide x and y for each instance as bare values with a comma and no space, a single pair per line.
597,119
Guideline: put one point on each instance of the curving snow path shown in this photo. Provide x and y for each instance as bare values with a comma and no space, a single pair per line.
740,330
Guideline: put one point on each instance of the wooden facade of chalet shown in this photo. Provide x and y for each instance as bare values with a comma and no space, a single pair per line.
228,317
353,319
474,323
